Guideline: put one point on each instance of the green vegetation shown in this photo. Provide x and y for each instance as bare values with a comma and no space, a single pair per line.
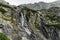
7,6
57,25
2,9
8,18
28,9
3,37
53,17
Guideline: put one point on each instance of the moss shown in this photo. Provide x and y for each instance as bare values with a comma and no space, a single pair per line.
7,18
3,37
54,8
28,9
51,16
7,6
55,25
32,21
2,9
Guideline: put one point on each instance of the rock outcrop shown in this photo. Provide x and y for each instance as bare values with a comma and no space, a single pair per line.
23,23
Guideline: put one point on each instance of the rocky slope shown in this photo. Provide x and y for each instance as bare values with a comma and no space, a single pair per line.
23,23
42,5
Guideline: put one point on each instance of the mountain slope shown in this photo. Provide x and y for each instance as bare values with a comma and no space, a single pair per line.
42,5
39,21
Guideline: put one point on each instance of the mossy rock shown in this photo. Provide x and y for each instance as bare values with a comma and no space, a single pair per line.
28,9
7,18
7,6
2,9
55,25
3,37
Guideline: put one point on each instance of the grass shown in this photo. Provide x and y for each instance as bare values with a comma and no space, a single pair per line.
3,37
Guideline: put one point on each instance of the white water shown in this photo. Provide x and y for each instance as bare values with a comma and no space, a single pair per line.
24,38
27,30
22,19
22,23
1,31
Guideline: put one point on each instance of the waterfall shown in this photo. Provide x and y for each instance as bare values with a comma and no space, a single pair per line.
22,23
1,31
1,28
24,38
27,30
22,19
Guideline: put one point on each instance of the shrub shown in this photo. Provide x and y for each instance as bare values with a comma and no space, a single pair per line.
3,37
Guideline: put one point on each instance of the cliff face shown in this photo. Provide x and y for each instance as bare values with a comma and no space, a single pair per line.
23,23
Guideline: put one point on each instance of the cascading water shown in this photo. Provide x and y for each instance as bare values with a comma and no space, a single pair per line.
1,27
27,24
22,19
22,23
26,30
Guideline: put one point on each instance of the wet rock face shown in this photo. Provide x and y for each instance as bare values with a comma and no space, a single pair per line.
34,27
22,23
